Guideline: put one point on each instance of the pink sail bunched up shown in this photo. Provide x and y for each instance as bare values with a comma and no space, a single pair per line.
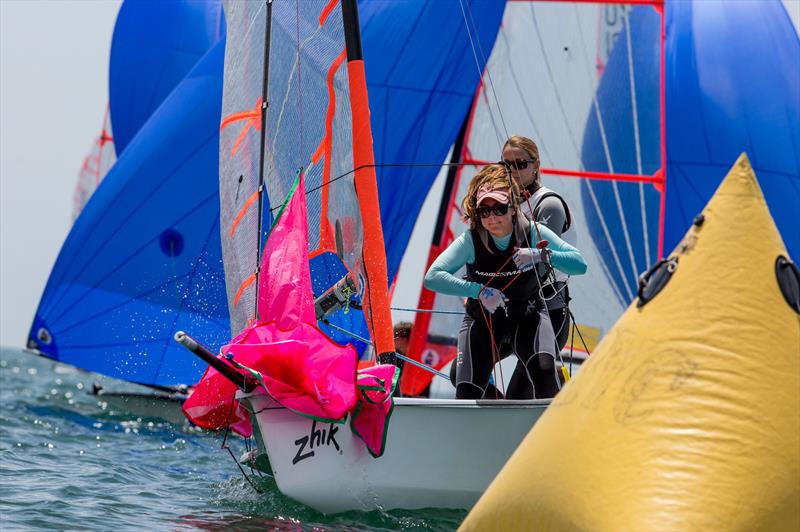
295,362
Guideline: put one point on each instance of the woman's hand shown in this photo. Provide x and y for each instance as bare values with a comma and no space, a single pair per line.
527,258
492,299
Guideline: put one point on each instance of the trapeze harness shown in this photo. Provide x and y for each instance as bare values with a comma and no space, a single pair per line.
550,289
482,332
494,268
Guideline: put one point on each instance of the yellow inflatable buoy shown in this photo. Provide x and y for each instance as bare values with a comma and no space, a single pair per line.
687,416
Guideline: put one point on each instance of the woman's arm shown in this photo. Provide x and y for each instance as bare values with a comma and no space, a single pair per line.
440,277
563,256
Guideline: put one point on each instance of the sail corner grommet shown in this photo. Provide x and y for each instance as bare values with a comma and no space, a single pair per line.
788,277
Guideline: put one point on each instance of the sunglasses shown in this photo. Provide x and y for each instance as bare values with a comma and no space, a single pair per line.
498,210
519,164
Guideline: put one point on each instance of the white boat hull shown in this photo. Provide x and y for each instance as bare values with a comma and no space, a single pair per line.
439,453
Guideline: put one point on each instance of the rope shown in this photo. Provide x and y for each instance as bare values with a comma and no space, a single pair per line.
398,355
227,448
389,165
426,311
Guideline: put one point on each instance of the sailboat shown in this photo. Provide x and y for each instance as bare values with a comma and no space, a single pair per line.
315,125
417,468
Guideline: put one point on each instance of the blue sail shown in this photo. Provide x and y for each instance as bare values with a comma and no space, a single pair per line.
623,217
727,92
419,98
418,102
144,258
154,46
146,251
733,86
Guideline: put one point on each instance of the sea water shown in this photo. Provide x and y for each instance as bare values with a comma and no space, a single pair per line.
69,460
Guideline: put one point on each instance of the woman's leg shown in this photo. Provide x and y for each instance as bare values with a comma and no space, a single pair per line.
537,377
473,364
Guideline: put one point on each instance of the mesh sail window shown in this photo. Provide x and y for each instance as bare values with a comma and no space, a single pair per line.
291,55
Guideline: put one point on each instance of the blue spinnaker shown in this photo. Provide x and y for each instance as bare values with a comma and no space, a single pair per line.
422,76
623,217
733,86
418,102
143,260
155,44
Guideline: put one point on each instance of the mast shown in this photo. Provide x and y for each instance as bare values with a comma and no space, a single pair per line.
376,293
264,105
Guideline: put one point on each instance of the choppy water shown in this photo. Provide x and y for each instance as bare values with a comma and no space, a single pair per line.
70,461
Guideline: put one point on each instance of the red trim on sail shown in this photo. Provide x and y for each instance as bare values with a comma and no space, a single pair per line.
629,2
252,199
253,120
242,287
325,148
376,294
655,179
327,11
663,111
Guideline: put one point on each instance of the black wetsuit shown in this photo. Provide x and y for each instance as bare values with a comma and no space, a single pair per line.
482,333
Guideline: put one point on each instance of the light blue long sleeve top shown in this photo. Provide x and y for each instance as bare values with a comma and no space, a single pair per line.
440,277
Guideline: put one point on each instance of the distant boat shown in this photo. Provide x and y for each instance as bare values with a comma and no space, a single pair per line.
143,243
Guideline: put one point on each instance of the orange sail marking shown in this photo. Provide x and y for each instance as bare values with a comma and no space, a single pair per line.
252,118
252,199
246,283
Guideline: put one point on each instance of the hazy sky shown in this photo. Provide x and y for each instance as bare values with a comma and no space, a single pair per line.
53,93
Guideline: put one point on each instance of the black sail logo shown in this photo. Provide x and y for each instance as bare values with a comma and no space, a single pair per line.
317,437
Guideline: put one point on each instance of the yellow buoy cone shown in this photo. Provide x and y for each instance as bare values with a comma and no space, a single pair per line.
687,416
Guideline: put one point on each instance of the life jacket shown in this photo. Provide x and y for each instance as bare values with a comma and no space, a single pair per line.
496,268
549,290
536,199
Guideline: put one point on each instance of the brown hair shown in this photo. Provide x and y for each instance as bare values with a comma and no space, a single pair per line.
497,177
529,147
402,329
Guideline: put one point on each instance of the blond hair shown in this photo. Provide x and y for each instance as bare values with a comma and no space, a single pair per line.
529,147
496,176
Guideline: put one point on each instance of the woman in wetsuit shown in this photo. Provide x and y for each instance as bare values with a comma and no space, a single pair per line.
547,207
502,286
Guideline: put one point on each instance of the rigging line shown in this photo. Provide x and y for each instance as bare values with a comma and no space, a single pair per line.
609,163
610,241
607,152
398,355
585,347
354,170
522,97
556,92
480,74
428,311
486,65
637,140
